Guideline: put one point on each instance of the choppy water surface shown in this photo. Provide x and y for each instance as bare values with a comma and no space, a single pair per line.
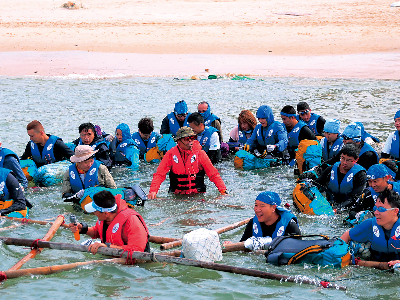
62,104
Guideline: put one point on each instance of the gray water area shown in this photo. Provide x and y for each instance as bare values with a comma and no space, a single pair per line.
61,104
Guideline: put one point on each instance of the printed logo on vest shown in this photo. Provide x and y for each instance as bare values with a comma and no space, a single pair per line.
280,231
115,228
207,122
137,141
270,133
72,174
258,131
92,171
49,147
375,197
397,232
336,148
32,145
2,185
94,147
296,129
312,122
240,134
205,141
1,158
394,137
375,230
350,177
123,145
255,228
332,175
172,121
153,139
193,159
175,158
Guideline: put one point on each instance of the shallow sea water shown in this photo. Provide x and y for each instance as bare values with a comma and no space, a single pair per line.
61,104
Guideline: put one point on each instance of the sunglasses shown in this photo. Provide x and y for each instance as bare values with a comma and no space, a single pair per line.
382,209
302,113
189,138
181,115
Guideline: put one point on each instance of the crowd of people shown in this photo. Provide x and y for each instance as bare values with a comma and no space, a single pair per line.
353,175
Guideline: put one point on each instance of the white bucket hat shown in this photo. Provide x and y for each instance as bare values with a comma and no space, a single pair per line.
82,153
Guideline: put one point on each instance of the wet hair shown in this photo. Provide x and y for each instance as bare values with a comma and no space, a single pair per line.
36,125
104,199
146,126
247,116
350,149
288,109
87,126
302,106
391,197
391,164
196,118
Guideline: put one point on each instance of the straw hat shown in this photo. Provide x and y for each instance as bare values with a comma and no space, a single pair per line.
82,153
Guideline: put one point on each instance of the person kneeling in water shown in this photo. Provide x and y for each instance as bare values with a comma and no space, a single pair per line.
270,220
117,224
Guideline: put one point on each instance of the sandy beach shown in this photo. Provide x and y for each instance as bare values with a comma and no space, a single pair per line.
313,38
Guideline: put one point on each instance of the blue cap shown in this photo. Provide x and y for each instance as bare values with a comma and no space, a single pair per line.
397,115
181,108
332,126
271,198
352,131
377,171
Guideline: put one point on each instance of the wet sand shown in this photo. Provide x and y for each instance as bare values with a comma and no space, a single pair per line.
307,38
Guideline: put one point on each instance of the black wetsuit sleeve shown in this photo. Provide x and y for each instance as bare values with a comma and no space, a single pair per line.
367,159
248,231
62,151
324,178
334,159
214,155
292,228
306,134
320,125
359,183
27,153
165,126
16,194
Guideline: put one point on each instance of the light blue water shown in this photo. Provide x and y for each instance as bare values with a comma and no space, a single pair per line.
62,104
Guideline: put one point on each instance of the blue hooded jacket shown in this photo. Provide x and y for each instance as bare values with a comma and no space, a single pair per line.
125,152
208,116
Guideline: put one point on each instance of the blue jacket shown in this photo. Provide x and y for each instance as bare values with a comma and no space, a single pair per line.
280,229
47,156
346,186
3,186
293,136
140,143
312,123
328,153
242,135
209,117
174,124
91,178
3,153
395,146
124,152
205,137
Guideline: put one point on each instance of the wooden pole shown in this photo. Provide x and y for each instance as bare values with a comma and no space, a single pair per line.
372,264
23,220
54,269
171,259
10,227
178,243
49,235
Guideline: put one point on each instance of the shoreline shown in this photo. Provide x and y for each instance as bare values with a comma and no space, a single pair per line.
80,64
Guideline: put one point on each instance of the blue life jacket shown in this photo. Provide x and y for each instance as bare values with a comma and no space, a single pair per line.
205,137
346,186
242,135
211,118
3,186
152,142
280,228
312,123
395,147
3,153
91,178
174,124
120,152
373,193
47,156
271,137
380,246
327,152
368,147
95,143
293,137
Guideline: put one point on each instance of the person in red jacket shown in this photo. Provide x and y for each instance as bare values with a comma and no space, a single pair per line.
187,164
125,228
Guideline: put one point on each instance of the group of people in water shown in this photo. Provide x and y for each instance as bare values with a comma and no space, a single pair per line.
354,176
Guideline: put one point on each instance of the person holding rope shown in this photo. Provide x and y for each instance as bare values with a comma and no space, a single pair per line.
118,226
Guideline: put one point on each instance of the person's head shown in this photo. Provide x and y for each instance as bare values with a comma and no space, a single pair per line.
391,166
386,208
352,133
288,115
181,110
246,120
145,128
265,207
331,130
348,157
377,176
185,137
83,157
204,109
265,115
36,132
103,206
123,132
304,111
87,133
196,122
397,120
